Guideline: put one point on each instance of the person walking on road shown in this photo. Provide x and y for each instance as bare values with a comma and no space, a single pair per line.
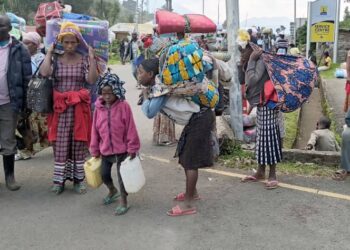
70,123
15,74
122,50
134,50
268,146
114,136
195,145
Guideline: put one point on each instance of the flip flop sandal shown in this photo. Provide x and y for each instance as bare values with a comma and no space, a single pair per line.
181,197
57,189
120,210
177,211
251,178
79,188
271,185
109,200
340,175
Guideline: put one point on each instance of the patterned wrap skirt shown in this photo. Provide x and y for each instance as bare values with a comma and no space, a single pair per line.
195,147
268,149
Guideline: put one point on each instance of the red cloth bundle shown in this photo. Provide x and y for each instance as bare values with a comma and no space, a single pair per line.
170,22
201,24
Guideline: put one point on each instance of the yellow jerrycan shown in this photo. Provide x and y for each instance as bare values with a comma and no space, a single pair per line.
92,168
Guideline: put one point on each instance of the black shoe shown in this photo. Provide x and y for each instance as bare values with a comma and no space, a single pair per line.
9,168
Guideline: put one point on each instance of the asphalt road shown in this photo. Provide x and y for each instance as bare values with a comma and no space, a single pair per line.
231,215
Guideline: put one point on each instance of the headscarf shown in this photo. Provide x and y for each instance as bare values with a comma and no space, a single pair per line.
114,82
69,28
33,37
243,38
347,118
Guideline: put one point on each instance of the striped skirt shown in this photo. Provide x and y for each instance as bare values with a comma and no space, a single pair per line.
69,154
268,149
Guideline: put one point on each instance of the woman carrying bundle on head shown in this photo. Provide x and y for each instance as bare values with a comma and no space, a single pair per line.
70,123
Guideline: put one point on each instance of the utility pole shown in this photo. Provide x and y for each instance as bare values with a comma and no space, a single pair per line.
232,18
218,13
203,7
295,22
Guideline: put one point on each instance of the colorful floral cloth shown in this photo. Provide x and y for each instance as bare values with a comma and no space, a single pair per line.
294,78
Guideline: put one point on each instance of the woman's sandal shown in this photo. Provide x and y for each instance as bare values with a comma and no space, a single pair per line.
79,188
181,197
340,175
57,189
251,178
273,184
120,210
110,199
177,211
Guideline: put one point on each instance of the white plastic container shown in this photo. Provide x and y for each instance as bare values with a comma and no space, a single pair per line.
132,175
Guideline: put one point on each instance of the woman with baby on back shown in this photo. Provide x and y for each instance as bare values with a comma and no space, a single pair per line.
114,136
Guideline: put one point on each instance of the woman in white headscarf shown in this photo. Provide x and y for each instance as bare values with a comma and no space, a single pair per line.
32,131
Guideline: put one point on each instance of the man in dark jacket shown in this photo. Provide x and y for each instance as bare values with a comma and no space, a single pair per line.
15,73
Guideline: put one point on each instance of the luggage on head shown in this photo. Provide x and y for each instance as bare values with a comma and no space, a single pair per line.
46,11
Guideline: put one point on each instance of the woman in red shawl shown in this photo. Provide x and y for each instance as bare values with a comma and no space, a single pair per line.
69,125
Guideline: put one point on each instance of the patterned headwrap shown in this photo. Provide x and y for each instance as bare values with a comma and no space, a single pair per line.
114,82
69,28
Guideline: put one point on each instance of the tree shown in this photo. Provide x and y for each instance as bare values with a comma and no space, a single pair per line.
346,14
106,9
345,24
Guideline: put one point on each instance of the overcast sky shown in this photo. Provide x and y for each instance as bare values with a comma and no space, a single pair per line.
248,8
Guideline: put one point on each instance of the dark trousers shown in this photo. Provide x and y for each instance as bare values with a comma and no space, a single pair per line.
107,163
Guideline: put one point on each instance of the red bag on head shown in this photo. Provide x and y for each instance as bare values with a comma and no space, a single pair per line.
169,22
46,11
201,24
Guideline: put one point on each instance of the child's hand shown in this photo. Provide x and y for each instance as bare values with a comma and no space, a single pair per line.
309,147
132,155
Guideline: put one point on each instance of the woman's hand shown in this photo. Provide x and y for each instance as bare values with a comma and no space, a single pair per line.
91,53
51,49
256,55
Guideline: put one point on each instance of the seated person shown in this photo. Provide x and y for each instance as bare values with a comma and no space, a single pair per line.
322,139
327,62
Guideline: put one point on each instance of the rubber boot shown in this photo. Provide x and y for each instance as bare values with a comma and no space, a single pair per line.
9,167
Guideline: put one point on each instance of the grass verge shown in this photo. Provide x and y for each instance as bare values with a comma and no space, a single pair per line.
237,158
113,61
327,111
329,74
288,168
291,121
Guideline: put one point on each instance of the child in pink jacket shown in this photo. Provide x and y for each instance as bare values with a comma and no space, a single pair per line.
114,136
